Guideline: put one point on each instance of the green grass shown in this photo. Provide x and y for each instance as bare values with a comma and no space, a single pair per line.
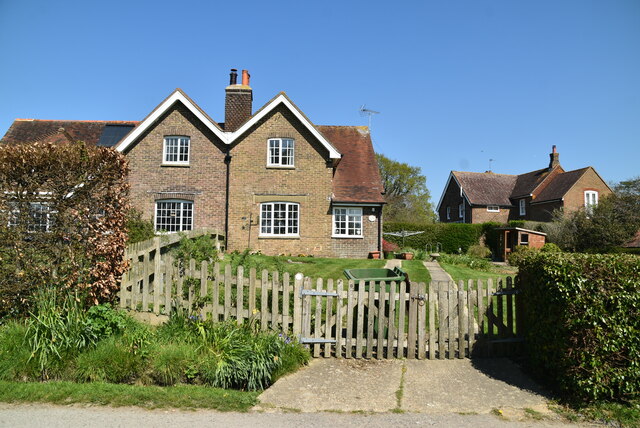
416,270
464,273
611,414
150,397
315,267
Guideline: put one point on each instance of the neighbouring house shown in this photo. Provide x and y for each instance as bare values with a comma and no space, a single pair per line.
271,179
473,197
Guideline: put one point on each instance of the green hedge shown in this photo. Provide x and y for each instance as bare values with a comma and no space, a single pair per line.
452,236
582,322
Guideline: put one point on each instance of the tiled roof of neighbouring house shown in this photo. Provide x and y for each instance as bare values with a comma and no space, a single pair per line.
486,188
357,177
560,185
527,183
105,133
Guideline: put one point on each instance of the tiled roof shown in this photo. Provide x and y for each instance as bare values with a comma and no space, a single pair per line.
560,185
357,177
486,188
32,130
528,182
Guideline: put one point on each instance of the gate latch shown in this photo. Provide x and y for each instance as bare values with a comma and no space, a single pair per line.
420,298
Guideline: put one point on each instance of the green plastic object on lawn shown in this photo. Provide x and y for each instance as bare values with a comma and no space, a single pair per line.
385,276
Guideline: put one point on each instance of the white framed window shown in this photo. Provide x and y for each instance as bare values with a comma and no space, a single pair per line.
279,219
523,207
448,213
590,200
347,222
176,150
174,216
461,210
493,208
40,217
280,152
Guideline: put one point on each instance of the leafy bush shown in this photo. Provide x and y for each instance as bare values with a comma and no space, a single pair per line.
74,237
550,247
452,236
200,249
105,321
138,229
293,356
582,321
110,361
479,251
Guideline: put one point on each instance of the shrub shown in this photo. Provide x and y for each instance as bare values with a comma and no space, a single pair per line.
479,251
582,321
110,361
452,236
138,229
550,247
293,356
105,321
466,260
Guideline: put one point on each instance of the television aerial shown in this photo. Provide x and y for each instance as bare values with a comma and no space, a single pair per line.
364,111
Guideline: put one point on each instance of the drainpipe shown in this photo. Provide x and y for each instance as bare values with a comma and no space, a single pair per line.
227,161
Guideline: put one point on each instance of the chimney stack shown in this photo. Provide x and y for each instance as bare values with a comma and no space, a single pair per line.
554,158
238,100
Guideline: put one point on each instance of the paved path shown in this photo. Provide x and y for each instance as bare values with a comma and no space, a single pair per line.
437,273
393,263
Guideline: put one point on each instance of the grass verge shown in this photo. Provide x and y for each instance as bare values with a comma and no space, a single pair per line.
149,397
314,267
464,273
416,270
613,414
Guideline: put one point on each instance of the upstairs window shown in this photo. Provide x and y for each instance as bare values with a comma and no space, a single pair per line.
448,213
523,207
174,216
347,222
280,152
461,211
279,219
176,150
590,200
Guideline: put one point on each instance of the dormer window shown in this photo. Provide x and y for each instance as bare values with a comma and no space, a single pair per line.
176,150
280,152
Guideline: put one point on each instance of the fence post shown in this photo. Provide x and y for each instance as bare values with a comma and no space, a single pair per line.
297,306
239,294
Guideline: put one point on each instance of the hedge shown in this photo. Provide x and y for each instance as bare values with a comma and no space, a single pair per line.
582,323
452,236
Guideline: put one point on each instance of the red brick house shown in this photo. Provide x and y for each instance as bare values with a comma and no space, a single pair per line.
272,180
472,197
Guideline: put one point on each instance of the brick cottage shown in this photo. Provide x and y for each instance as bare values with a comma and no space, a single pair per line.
271,180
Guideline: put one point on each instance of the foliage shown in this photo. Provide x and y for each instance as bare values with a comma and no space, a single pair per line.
389,246
138,229
293,357
105,321
406,192
466,260
57,331
200,249
603,228
550,247
583,323
479,252
62,221
453,237
15,355
173,363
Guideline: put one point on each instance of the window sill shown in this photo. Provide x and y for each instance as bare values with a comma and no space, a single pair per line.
178,165
347,237
278,236
281,167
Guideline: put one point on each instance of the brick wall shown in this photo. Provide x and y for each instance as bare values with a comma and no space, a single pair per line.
574,198
203,180
481,215
309,184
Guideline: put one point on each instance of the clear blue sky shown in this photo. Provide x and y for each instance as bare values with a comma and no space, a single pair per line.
456,82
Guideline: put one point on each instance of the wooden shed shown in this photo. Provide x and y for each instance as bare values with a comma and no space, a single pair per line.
511,237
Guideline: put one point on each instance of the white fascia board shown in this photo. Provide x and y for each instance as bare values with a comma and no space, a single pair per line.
333,153
176,96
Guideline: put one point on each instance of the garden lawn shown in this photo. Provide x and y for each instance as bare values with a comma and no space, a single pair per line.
464,273
314,267
416,270
150,397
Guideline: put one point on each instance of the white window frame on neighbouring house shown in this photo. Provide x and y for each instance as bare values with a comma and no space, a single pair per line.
176,150
347,222
40,217
523,207
493,208
281,152
173,215
279,219
448,213
590,199
461,213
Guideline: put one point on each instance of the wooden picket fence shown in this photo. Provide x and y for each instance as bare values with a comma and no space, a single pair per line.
342,319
